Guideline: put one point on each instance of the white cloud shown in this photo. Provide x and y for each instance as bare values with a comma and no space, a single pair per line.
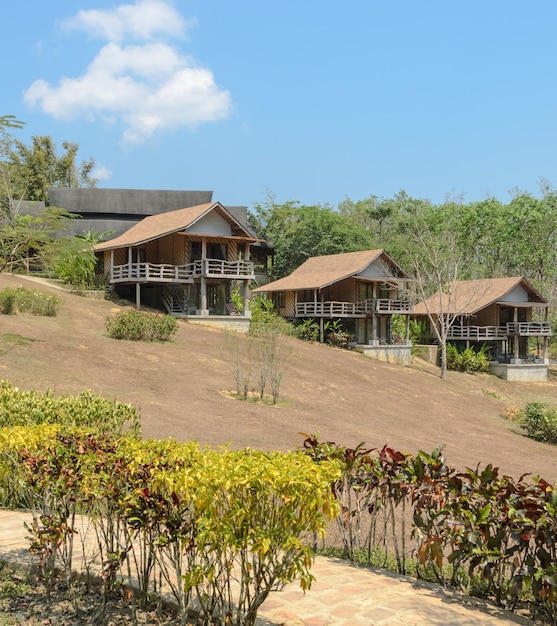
100,172
148,86
141,20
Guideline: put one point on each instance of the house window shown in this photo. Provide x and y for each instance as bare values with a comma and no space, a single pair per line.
218,251
280,299
195,251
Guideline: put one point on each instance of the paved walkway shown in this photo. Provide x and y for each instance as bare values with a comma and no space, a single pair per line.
342,595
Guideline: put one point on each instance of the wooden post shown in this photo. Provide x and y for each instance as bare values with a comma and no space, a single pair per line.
137,295
516,346
203,280
546,338
373,314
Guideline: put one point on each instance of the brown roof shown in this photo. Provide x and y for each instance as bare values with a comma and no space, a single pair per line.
320,271
470,296
156,226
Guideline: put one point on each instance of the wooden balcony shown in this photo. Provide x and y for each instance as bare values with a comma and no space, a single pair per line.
477,333
328,309
384,305
164,273
352,309
215,268
499,333
529,329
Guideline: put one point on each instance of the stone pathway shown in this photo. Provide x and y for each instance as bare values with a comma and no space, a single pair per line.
342,595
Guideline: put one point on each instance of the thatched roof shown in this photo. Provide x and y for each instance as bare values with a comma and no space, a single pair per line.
321,271
138,203
467,297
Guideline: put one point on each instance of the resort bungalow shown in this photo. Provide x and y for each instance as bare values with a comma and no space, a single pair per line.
360,288
190,260
498,312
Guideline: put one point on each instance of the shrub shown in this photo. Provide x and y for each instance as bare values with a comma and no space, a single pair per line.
24,408
420,332
137,325
222,528
335,335
468,360
307,329
540,422
21,300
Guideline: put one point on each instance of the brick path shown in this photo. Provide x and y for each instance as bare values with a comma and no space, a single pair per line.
342,595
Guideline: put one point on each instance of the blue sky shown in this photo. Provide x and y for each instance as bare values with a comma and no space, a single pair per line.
310,100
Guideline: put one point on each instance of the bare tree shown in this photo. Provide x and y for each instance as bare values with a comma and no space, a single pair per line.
437,262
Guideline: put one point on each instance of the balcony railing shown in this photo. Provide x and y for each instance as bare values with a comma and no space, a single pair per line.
351,309
153,272
384,305
529,329
477,333
484,333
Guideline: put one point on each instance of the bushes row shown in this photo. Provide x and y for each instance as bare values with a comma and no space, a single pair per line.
25,408
21,300
222,528
137,325
472,529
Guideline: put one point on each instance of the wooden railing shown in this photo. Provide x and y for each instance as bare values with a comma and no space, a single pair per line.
384,305
153,272
215,268
484,333
351,309
529,329
477,333
146,272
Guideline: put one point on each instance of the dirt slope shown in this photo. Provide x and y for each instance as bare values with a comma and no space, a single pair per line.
178,388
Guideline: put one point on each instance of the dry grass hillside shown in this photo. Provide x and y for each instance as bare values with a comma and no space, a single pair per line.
180,389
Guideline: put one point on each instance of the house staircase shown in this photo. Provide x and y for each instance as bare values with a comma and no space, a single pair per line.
175,300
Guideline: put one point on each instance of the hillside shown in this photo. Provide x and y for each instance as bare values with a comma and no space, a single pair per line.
180,390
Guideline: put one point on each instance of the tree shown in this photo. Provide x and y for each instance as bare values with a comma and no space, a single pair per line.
437,262
26,172
39,166
299,232
25,237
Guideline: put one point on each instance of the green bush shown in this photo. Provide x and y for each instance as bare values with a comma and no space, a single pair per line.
540,422
24,408
137,325
307,329
21,300
468,360
222,528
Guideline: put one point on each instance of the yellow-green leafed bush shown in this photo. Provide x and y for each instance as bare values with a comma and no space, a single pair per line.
203,518
87,410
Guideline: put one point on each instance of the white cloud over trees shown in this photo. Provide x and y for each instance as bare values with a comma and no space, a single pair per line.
138,78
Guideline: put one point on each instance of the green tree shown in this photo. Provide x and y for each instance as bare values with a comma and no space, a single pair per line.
39,166
299,232
24,238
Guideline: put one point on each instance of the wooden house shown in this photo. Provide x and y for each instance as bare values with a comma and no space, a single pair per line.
503,313
190,260
363,289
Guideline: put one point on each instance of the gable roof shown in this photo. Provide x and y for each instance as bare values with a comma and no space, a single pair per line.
470,296
321,271
155,226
